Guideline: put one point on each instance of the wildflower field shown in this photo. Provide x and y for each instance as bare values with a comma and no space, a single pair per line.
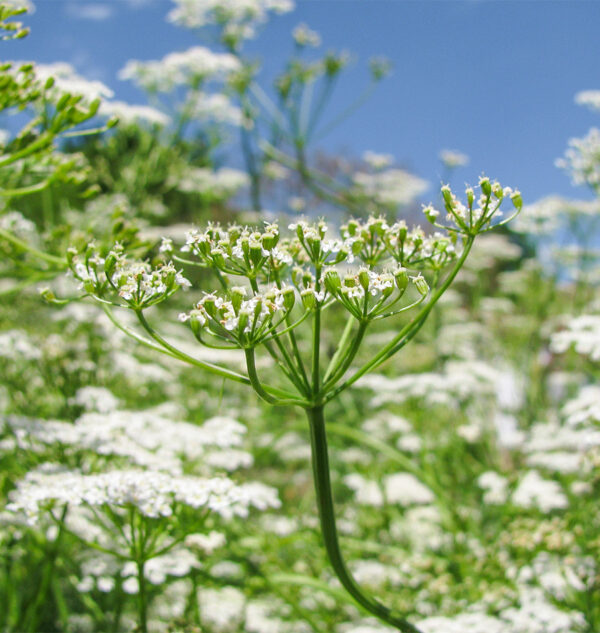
296,393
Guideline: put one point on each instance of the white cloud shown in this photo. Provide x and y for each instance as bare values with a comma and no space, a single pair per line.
89,11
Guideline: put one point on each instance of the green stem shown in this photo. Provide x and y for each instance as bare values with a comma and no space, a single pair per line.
142,597
215,369
258,387
25,191
316,380
320,464
408,331
349,357
291,372
51,259
36,611
335,360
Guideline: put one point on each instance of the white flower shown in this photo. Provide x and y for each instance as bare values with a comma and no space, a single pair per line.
535,492
583,333
128,113
453,159
393,187
180,68
405,489
304,36
495,487
377,161
152,493
238,17
589,98
66,80
215,107
367,492
582,159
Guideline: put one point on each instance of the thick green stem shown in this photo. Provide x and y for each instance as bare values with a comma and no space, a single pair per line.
320,464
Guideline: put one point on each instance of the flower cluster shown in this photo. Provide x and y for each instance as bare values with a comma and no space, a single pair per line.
238,250
153,494
390,188
243,321
582,159
374,240
190,67
477,215
237,18
137,283
367,295
64,80
452,159
583,333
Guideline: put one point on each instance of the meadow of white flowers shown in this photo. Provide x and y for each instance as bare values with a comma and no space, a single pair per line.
222,413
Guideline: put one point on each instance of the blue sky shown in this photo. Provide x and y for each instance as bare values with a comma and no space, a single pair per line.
493,79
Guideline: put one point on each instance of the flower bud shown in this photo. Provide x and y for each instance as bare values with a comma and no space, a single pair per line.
306,279
357,246
431,214
209,305
497,190
402,231
516,199
386,291
352,227
197,321
447,195
349,281
401,277
470,196
341,255
309,300
234,233
485,185
289,298
363,279
332,282
47,295
314,244
71,254
269,240
258,306
109,263
245,244
255,251
237,296
243,317
218,259
420,284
